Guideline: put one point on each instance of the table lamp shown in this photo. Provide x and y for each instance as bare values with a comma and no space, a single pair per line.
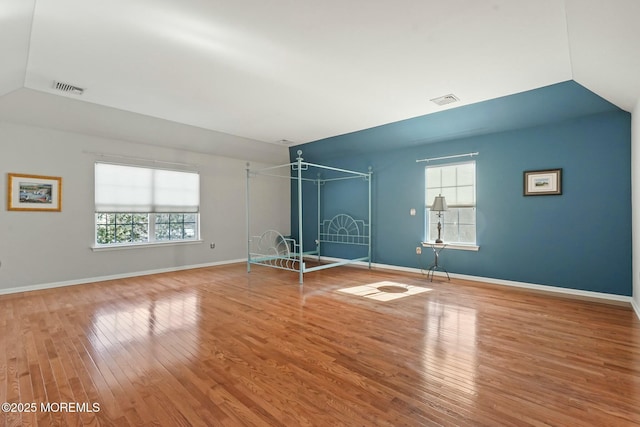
439,205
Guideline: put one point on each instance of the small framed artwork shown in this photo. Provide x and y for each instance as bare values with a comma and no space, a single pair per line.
34,193
543,182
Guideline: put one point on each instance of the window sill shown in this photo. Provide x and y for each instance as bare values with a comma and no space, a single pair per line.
96,248
456,246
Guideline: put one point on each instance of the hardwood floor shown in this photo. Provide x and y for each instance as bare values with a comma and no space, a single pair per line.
218,346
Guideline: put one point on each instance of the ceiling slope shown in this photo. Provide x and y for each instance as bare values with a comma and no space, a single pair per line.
297,71
290,70
551,104
15,31
604,38
36,108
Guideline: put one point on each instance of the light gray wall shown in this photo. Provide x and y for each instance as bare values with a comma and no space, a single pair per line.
42,248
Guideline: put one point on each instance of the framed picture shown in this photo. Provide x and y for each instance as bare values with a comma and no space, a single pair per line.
543,182
34,193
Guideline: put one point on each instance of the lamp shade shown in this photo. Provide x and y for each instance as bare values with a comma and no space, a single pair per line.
439,204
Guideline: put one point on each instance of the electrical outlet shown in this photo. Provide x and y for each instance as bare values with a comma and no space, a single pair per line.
418,250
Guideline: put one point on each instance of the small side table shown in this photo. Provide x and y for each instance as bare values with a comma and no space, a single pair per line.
437,248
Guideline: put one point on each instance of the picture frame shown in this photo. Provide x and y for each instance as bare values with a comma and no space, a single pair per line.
34,193
546,182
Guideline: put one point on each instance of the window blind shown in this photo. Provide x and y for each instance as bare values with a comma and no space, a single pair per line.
120,188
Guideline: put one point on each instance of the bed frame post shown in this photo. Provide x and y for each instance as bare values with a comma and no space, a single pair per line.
248,222
319,183
369,238
300,239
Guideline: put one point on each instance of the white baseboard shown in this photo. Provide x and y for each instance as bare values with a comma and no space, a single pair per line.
532,286
636,307
42,286
548,288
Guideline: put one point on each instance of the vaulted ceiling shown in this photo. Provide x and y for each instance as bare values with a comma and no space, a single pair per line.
237,78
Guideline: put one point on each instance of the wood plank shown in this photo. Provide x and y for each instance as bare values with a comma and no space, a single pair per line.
220,346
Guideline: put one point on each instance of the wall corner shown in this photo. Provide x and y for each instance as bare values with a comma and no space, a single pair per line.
635,204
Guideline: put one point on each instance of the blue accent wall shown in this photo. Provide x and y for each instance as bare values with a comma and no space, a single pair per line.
580,239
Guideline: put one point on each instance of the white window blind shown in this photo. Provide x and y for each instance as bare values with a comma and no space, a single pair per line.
120,188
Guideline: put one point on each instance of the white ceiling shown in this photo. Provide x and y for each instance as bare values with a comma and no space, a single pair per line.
223,76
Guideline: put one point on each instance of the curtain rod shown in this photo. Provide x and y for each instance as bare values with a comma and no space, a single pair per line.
142,159
448,157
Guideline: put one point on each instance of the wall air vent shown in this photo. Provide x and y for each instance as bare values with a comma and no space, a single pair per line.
67,88
446,99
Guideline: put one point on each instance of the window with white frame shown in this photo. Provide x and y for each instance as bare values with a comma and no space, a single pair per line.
457,183
137,205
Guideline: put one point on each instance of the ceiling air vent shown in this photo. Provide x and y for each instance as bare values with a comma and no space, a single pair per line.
446,99
285,142
67,88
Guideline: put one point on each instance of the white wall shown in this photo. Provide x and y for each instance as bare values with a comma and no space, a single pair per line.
41,248
635,203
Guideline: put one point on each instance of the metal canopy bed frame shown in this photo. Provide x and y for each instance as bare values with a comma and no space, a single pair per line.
272,249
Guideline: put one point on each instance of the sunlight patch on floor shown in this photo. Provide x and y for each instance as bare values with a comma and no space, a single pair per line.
384,291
